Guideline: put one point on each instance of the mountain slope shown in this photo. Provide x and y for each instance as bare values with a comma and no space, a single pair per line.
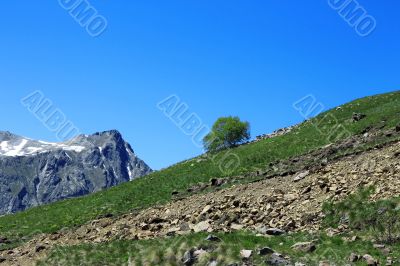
280,202
257,161
34,173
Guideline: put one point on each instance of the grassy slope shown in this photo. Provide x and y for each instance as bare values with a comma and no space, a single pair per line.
157,187
169,251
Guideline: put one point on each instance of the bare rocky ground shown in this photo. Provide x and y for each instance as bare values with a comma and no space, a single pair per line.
290,202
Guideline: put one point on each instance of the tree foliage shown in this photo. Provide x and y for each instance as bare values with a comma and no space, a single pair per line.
227,132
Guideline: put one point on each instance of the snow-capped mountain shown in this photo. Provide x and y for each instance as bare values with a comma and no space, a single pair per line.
12,145
35,172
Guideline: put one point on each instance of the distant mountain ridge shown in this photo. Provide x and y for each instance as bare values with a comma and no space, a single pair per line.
35,172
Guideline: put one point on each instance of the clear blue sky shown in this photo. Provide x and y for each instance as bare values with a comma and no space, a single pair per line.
247,58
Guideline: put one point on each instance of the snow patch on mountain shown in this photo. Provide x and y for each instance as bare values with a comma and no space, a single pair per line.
27,147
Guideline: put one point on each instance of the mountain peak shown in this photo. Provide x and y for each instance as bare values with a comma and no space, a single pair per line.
51,171
115,134
111,132
7,136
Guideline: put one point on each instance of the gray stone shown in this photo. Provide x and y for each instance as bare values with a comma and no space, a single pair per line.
301,176
246,254
358,116
213,238
188,258
370,260
265,251
184,227
277,259
199,253
379,246
217,182
237,227
306,247
354,257
4,240
201,227
39,248
275,232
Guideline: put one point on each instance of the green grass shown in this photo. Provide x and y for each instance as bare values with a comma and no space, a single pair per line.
169,251
157,187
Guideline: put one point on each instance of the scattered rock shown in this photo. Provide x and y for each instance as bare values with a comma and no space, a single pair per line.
332,232
157,220
301,176
184,227
277,259
217,182
389,262
237,227
213,238
236,203
261,230
201,227
306,247
386,251
55,236
107,215
398,128
246,254
354,257
358,116
206,209
39,248
199,253
144,226
276,133
379,246
188,258
370,260
366,130
275,232
265,251
172,231
306,190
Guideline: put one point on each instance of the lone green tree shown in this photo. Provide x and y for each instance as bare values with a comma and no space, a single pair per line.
227,132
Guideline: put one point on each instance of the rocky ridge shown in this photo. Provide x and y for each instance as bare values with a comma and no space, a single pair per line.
34,173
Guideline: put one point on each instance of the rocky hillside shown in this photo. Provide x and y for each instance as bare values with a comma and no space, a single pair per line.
33,172
266,210
270,206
